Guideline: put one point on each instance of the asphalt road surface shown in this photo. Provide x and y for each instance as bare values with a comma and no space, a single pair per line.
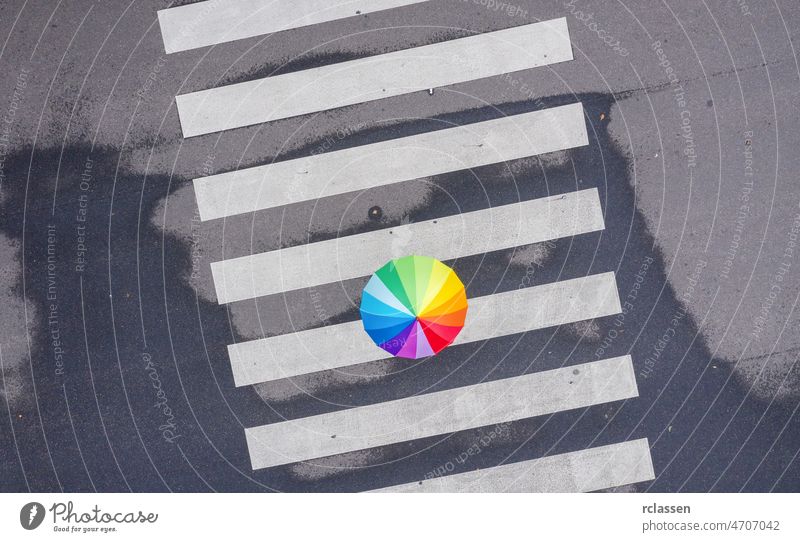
193,199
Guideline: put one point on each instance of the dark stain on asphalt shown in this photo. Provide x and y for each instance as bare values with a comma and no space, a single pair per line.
316,59
126,305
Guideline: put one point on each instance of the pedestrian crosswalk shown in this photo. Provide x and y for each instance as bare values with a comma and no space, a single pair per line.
441,412
489,317
354,256
379,164
595,469
374,78
213,21
446,238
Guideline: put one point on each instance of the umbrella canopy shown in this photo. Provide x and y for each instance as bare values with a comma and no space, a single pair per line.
413,307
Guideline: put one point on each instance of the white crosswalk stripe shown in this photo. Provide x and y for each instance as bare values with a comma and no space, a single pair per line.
448,238
373,78
496,315
442,412
368,166
603,467
217,21
453,148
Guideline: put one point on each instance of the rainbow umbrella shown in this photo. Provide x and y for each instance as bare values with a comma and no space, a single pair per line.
413,307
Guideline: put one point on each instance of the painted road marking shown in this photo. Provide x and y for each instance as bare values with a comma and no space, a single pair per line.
594,469
441,412
387,162
447,238
244,104
491,316
375,77
212,22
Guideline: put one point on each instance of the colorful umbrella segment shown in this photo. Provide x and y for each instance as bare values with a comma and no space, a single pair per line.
413,307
